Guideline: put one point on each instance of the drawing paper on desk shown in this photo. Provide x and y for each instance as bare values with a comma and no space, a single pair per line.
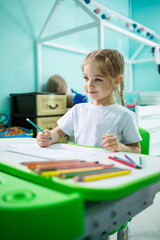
55,151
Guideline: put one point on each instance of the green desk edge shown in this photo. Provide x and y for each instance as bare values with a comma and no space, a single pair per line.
31,211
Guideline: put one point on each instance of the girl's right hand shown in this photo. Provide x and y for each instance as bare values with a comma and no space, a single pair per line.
43,138
111,142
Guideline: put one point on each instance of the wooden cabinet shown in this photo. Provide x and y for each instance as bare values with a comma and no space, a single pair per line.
44,109
50,105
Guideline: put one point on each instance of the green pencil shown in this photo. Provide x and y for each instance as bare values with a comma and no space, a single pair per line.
70,175
140,161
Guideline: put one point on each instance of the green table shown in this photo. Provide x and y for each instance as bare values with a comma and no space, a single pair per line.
54,208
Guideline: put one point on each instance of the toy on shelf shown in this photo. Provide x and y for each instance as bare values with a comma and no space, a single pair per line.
132,99
78,98
57,84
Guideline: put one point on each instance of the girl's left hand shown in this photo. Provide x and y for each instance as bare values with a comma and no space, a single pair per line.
110,142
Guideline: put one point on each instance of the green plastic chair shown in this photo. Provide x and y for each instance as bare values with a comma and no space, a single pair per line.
145,135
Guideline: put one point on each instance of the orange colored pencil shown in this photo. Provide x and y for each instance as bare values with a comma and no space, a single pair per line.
48,166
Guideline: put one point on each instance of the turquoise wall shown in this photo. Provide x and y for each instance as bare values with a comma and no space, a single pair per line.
20,24
145,75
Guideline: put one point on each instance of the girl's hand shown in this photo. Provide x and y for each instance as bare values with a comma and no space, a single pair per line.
43,138
111,142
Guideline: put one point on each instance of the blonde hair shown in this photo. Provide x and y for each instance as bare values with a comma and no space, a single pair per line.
111,64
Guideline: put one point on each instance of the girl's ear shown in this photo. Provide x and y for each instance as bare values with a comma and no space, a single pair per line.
119,79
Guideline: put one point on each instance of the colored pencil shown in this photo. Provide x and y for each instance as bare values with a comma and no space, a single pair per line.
40,170
51,162
121,159
101,176
129,159
57,172
58,165
125,163
140,161
70,175
36,126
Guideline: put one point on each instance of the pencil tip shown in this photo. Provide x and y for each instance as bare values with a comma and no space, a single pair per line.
139,166
78,178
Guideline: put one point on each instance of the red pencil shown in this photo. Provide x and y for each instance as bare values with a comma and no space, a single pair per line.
124,162
51,162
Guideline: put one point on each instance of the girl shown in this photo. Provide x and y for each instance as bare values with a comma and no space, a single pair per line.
101,123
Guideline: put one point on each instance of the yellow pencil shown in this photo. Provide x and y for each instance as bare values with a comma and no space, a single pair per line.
56,172
100,176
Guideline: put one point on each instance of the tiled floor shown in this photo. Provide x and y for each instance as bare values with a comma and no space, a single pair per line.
146,225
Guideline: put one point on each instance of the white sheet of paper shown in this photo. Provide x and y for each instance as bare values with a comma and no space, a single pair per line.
56,151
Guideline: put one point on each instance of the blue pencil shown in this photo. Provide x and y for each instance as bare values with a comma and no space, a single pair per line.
36,126
122,159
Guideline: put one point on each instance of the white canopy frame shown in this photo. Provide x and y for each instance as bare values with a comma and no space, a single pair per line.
97,23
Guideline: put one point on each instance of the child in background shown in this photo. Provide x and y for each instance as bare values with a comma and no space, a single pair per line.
101,123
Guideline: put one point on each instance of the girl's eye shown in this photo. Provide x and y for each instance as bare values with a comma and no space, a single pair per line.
86,78
98,80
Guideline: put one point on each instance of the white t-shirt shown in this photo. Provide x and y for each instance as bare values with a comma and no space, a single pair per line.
88,123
